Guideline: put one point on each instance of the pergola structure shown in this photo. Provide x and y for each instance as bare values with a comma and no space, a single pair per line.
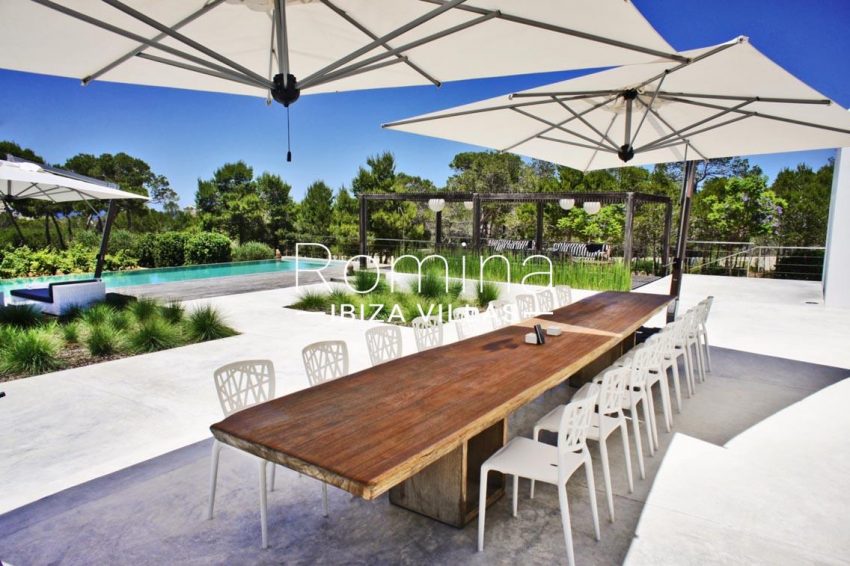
630,199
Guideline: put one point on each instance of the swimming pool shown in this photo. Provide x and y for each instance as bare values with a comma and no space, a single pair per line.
114,279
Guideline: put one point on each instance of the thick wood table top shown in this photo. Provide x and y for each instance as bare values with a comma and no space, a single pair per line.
375,428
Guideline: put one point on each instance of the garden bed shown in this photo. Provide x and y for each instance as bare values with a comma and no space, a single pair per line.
32,343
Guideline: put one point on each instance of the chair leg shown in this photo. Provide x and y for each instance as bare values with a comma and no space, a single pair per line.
216,451
325,498
565,522
516,493
677,386
591,488
707,349
606,476
624,433
482,507
666,403
698,356
536,435
651,421
647,416
689,370
274,467
638,443
264,534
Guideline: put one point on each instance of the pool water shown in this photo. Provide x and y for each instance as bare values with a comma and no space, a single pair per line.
114,279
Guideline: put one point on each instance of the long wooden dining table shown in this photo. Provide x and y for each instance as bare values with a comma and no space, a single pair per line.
421,426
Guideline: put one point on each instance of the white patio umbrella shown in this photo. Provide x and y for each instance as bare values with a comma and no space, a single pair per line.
21,180
280,48
726,100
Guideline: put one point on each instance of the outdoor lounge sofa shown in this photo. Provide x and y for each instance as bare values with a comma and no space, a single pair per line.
58,298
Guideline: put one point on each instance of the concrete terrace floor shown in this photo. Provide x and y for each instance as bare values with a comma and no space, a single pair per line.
132,433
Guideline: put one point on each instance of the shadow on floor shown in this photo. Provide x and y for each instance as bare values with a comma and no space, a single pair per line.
152,513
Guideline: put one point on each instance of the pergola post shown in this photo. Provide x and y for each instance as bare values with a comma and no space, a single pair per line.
104,242
438,236
628,230
476,222
668,225
538,235
363,226
688,186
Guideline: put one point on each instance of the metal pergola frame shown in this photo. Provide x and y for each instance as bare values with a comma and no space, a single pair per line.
630,199
283,86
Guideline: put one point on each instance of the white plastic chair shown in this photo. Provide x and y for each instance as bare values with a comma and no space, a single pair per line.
635,396
679,328
501,313
525,307
241,385
565,295
657,374
693,318
608,418
702,331
383,343
470,326
464,312
428,332
523,457
545,301
324,361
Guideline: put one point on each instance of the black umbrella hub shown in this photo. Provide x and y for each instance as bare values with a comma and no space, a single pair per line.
285,91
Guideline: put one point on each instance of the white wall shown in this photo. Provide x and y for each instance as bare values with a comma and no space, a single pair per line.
836,267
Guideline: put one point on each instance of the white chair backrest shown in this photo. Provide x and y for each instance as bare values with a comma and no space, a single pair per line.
545,301
666,341
613,389
464,312
705,309
565,295
469,327
572,432
644,359
324,361
501,313
525,306
383,343
428,331
243,384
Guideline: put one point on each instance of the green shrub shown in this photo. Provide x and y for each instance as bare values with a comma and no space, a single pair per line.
145,250
432,285
87,238
71,332
169,249
121,320
205,323
120,261
71,314
97,314
143,309
455,289
31,351
173,312
20,316
312,301
364,280
121,240
486,292
207,247
103,340
252,251
340,296
155,334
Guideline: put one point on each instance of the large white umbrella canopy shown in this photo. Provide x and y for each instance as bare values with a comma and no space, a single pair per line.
276,48
20,180
729,100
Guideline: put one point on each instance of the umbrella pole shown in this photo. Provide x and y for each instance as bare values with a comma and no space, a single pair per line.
104,242
688,186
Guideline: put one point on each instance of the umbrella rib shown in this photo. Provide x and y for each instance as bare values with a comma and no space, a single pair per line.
823,101
586,123
654,146
761,115
583,145
568,31
233,77
672,129
345,73
595,153
141,47
313,80
584,93
549,129
556,126
681,132
344,15
135,37
279,26
183,39
648,108
380,40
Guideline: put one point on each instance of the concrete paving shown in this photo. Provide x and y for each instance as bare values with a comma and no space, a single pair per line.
152,513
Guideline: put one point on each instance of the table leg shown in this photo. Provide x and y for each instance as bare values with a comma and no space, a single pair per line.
447,490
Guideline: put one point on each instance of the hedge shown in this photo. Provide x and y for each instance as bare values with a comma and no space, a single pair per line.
252,251
207,247
170,249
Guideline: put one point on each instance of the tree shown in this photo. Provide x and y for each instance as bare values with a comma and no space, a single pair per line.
806,214
314,214
378,178
345,225
11,148
736,209
230,202
275,193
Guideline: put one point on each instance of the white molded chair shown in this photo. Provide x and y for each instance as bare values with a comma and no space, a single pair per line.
545,301
526,307
693,319
383,343
428,331
657,373
241,385
501,313
324,361
679,328
636,395
565,295
523,457
702,331
608,418
464,312
470,326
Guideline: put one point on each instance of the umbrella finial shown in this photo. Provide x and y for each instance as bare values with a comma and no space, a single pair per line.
285,91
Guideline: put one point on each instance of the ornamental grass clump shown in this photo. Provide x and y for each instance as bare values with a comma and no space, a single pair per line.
71,332
312,301
205,323
31,351
143,309
485,292
173,312
97,314
103,340
20,316
154,334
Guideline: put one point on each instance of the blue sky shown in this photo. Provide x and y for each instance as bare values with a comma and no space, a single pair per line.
185,135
